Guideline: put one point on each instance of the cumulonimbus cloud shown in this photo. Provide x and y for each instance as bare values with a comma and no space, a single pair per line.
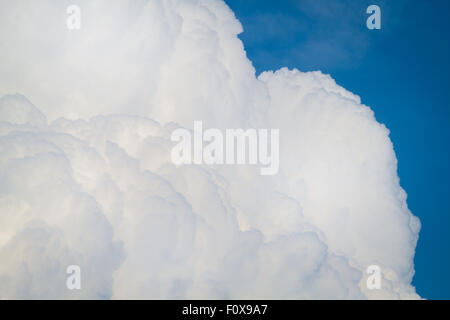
86,176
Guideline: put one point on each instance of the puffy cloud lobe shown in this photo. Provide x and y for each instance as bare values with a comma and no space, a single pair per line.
95,185
134,57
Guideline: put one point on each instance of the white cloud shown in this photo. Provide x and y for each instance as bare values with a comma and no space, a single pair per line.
97,187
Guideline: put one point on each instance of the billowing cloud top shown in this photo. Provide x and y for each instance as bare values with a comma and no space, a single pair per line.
86,176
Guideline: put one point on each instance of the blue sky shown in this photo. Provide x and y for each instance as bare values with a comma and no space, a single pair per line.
401,72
